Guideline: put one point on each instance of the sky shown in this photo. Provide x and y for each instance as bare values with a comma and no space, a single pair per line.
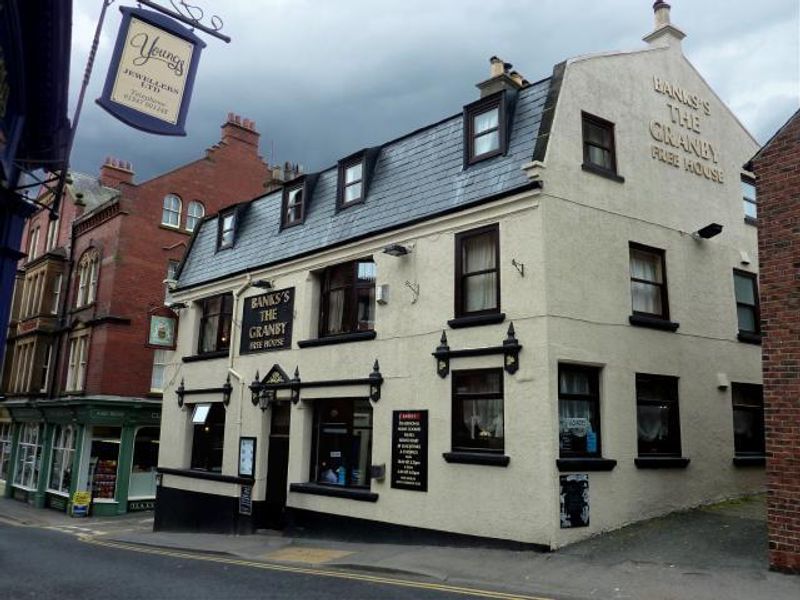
323,79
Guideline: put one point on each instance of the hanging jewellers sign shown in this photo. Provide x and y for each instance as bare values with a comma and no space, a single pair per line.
267,322
151,76
681,144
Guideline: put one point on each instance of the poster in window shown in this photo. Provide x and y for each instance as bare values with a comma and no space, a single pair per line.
574,501
162,329
153,67
410,450
267,322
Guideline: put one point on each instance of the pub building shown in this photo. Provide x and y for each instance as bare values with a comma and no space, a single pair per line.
532,321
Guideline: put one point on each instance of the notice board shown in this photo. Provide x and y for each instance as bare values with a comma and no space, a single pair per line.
410,450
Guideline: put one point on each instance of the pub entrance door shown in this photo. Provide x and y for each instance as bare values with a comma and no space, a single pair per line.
277,465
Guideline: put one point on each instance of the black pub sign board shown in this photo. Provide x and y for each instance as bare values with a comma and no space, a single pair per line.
410,450
267,322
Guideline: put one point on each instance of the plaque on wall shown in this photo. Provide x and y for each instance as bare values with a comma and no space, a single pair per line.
574,501
267,322
246,500
410,450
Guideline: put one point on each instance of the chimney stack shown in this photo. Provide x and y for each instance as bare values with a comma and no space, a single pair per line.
501,77
114,172
239,130
664,33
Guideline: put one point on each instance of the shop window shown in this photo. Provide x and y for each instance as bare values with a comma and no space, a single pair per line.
747,309
579,410
348,298
88,270
293,205
171,213
477,284
5,450
104,462
657,418
648,282
194,214
227,230
342,451
748,419
478,419
76,364
215,323
209,437
351,182
749,200
157,375
29,456
145,460
484,128
598,144
61,463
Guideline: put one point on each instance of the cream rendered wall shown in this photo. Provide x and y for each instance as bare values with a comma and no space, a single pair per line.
588,222
510,503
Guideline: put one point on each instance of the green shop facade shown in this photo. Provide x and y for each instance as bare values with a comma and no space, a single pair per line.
107,448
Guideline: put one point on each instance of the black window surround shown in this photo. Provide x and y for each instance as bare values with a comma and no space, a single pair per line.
209,437
347,303
599,147
748,310
498,102
364,495
658,417
656,286
749,200
215,325
226,229
462,293
481,433
748,420
579,437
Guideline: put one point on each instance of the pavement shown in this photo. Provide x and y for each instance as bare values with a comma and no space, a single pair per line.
713,552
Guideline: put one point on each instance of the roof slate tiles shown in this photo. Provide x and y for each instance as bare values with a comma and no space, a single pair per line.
415,177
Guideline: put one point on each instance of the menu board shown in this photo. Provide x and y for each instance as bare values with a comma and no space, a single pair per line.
267,321
410,450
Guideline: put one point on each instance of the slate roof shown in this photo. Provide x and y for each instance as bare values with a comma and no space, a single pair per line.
416,177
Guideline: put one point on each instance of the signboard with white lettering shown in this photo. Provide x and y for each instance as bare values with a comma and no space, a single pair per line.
267,322
410,450
150,79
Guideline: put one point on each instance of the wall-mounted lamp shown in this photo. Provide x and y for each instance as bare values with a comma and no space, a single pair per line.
396,250
708,232
262,283
375,382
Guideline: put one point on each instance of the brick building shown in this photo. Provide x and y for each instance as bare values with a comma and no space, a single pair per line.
778,184
82,390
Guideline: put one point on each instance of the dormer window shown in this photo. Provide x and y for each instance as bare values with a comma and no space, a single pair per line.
293,206
485,128
227,229
351,182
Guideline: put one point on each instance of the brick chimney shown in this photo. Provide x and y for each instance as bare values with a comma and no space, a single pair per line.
664,32
501,77
113,172
240,130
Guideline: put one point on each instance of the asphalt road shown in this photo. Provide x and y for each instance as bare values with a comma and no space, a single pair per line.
39,563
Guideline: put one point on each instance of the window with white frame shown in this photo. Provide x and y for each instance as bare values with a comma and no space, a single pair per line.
5,450
48,359
33,243
171,215
57,281
195,212
76,366
24,360
61,464
29,456
52,235
88,271
157,376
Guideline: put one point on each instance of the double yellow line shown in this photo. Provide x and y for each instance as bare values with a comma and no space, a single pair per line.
408,583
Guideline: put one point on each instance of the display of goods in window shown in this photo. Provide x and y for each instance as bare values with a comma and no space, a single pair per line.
105,479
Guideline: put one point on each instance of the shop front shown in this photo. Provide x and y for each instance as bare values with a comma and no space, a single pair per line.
100,453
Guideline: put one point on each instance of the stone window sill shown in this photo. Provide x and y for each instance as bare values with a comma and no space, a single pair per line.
476,320
748,337
661,462
206,356
653,322
477,458
364,495
585,464
590,168
344,338
750,461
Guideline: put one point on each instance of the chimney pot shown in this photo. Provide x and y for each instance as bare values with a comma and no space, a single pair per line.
496,67
507,66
